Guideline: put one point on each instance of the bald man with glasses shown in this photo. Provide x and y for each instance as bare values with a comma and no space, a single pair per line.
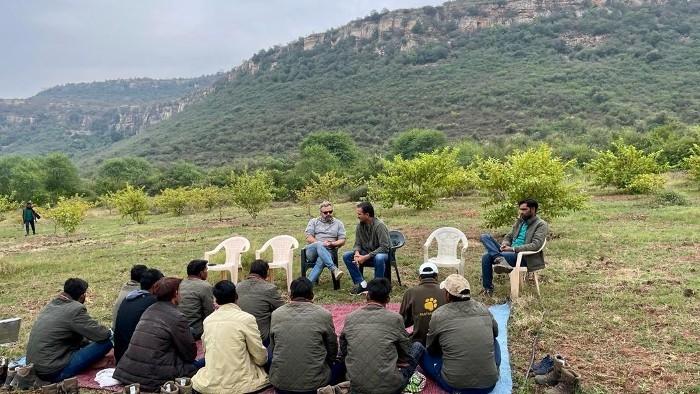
323,234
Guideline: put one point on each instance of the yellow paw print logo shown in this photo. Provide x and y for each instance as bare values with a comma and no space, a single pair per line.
430,304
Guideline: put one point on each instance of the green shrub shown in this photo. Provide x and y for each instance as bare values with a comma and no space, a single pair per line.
414,141
620,166
176,200
646,184
670,197
358,194
252,192
214,197
692,162
418,182
7,203
324,187
69,213
132,202
534,173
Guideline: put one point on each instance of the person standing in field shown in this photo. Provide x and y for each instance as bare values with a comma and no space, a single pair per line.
29,217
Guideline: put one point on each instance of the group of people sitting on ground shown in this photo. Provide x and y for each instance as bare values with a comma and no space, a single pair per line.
252,338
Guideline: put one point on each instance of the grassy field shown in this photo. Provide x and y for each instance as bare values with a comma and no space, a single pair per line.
619,294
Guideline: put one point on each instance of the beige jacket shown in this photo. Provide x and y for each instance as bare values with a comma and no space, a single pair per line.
234,355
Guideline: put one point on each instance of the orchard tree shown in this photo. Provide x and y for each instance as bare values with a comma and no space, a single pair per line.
252,192
412,142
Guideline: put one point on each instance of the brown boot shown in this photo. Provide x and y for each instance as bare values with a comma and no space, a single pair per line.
69,386
8,380
552,377
184,385
568,383
25,378
50,389
169,387
132,389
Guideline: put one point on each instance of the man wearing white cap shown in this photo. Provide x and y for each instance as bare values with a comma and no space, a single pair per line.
462,353
419,302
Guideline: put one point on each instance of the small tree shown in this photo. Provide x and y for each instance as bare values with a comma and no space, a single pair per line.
175,200
414,141
214,197
69,213
534,173
132,202
252,192
7,203
324,187
106,201
621,166
418,182
692,162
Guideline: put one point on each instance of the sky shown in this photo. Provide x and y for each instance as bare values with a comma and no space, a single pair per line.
44,43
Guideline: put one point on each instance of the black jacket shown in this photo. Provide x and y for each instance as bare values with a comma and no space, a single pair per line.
128,317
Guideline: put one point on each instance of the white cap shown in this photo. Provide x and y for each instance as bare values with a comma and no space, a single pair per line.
427,269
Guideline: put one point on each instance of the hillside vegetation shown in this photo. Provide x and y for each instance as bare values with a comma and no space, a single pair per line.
563,74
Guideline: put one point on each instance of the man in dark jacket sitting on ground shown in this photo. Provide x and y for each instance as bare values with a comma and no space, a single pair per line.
420,302
259,297
59,344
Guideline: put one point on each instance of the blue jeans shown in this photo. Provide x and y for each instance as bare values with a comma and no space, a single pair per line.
81,360
379,261
432,366
493,250
323,258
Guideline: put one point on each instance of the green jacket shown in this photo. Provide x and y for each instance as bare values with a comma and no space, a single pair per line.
372,238
418,305
29,214
303,345
58,332
535,236
196,303
259,298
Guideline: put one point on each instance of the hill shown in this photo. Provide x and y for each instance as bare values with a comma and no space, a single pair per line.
469,68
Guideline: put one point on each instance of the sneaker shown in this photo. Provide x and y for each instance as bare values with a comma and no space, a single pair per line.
8,380
501,266
337,274
25,378
357,290
486,292
169,387
184,385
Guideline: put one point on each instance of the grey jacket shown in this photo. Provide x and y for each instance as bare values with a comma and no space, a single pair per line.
373,341
464,333
196,303
58,332
372,238
536,234
127,288
303,345
259,298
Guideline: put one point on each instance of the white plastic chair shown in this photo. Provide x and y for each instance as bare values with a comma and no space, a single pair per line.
282,254
234,247
448,239
517,276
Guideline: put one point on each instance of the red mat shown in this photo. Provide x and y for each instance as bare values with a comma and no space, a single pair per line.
339,311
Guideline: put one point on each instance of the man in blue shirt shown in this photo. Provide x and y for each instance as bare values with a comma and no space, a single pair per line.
528,234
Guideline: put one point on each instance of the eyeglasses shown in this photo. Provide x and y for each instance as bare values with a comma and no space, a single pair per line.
327,212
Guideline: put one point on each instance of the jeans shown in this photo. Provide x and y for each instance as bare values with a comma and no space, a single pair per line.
81,360
432,366
27,224
323,258
379,261
493,250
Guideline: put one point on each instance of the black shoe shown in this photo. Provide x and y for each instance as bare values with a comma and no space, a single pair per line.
357,290
502,266
486,292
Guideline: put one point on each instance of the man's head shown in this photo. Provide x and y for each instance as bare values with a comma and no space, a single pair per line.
456,288
76,289
379,290
167,289
302,288
225,292
365,211
29,204
149,278
326,210
260,268
198,268
136,271
527,208
428,270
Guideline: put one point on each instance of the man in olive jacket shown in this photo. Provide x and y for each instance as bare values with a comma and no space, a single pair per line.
421,301
59,344
259,297
303,343
528,234
196,296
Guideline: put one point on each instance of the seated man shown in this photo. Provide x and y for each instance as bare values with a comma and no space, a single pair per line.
235,357
131,310
59,343
378,354
196,298
132,285
324,233
462,353
528,234
420,302
302,328
259,297
162,347
371,247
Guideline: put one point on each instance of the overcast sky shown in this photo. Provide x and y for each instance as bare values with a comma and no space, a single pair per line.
44,43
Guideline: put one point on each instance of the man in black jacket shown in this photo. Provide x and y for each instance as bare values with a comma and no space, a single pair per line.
131,309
